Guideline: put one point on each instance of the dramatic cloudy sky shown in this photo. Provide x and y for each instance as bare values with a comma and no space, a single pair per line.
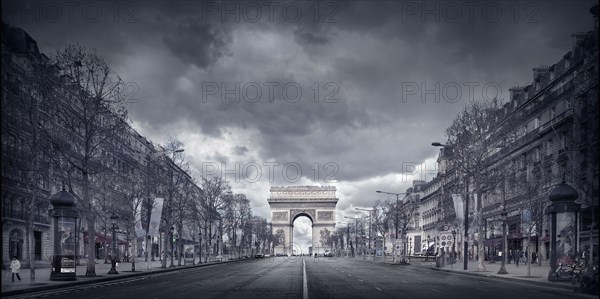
237,82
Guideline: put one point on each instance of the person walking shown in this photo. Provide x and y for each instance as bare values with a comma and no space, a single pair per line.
517,257
15,266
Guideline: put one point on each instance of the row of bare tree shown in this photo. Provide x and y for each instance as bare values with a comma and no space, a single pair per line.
69,113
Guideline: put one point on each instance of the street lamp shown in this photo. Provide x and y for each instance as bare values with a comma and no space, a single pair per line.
113,259
200,247
396,222
171,236
504,249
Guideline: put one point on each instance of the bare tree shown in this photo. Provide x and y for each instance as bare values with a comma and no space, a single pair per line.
213,194
382,218
473,136
90,114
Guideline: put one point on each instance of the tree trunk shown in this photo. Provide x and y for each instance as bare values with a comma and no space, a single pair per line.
28,232
481,234
91,250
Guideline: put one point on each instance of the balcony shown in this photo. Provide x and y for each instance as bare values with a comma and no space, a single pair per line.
557,120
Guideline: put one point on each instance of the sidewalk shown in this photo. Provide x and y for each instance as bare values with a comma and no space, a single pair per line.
43,282
538,275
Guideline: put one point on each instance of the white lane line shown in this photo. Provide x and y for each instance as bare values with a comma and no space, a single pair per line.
360,280
304,282
378,288
404,281
436,290
482,289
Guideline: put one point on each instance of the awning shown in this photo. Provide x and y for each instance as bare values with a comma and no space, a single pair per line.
492,242
103,239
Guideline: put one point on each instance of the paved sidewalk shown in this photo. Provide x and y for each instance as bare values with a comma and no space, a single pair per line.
538,274
43,282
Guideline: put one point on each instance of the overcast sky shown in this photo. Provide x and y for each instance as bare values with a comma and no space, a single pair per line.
266,89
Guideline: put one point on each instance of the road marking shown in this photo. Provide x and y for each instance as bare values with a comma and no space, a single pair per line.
404,281
482,289
304,282
436,290
360,280
378,288
483,281
349,275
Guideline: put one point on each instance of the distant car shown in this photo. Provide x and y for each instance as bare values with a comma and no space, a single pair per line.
328,254
259,256
267,255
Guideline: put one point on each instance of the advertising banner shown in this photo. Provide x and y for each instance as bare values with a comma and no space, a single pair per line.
155,216
458,209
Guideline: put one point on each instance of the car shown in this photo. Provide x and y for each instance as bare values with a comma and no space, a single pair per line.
259,256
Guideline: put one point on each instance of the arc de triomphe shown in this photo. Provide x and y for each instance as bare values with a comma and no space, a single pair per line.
288,203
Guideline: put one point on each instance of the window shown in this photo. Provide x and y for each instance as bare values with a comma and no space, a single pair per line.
563,141
548,147
536,123
536,154
568,104
553,112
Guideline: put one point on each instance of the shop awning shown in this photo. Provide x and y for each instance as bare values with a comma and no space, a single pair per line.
100,238
492,242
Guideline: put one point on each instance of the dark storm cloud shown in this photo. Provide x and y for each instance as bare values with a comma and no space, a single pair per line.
368,50
198,43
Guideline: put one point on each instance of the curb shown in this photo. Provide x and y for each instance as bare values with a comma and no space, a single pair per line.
108,278
508,278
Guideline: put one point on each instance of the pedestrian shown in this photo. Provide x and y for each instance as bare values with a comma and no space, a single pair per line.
517,257
15,266
534,257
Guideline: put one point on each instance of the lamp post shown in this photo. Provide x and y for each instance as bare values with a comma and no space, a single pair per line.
113,259
409,246
396,223
504,249
171,236
200,248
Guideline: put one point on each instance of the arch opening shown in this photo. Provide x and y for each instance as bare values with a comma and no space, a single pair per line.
302,235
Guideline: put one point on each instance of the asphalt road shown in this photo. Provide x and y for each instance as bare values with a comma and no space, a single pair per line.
298,277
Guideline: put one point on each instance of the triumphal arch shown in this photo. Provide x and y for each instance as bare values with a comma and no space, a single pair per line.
315,202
